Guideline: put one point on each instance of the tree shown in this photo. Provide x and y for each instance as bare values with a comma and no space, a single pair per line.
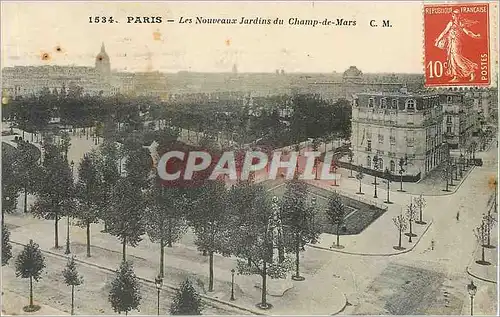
71,278
55,197
138,165
211,224
109,170
124,295
10,188
296,220
28,170
88,194
336,212
420,203
489,222
125,214
411,214
186,301
6,247
481,233
387,176
164,220
30,264
400,223
359,177
447,173
65,143
258,241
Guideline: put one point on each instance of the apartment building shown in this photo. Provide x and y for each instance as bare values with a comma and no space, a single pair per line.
398,125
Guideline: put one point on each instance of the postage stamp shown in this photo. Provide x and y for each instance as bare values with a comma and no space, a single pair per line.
457,49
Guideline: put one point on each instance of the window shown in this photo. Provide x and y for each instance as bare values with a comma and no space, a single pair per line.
380,138
449,99
448,119
381,164
448,129
370,102
392,138
393,166
368,161
394,104
369,145
411,105
383,103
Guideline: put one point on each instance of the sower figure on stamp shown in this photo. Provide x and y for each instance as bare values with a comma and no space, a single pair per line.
452,40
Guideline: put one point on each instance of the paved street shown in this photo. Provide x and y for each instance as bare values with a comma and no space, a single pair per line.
371,283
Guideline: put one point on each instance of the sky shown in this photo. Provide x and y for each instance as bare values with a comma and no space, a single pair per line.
31,29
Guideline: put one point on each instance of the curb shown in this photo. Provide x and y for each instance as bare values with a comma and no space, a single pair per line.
455,188
375,254
343,307
171,287
467,269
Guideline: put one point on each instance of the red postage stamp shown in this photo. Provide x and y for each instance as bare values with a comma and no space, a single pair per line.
457,51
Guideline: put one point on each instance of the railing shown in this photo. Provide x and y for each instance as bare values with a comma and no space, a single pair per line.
380,174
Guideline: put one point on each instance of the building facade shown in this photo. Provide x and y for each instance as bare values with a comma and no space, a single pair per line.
459,118
395,126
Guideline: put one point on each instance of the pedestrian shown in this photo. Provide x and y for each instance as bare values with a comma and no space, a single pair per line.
432,244
458,215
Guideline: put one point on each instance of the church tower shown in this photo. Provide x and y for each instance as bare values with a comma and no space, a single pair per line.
102,63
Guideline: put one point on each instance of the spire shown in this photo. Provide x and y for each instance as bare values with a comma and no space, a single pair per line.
103,50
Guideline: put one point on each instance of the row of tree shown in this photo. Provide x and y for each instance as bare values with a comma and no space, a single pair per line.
125,292
280,120
133,202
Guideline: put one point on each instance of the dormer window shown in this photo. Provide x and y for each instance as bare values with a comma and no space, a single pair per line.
383,103
371,102
394,104
411,105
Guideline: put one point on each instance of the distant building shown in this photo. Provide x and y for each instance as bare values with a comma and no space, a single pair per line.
395,125
459,119
98,80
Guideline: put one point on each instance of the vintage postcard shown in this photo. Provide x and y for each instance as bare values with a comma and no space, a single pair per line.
249,158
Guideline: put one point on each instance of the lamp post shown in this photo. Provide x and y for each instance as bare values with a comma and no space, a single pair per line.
159,284
313,204
232,284
472,289
68,251
375,167
403,163
351,158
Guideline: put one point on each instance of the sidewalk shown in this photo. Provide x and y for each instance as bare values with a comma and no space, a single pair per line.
183,261
13,303
486,273
382,230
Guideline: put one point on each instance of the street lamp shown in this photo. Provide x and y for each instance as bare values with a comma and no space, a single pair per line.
313,204
232,284
159,284
472,289
68,251
375,167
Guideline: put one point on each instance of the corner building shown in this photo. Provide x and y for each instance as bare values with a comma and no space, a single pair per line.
395,125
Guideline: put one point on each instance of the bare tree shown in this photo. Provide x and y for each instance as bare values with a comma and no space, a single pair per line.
411,214
400,223
481,233
420,203
489,222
